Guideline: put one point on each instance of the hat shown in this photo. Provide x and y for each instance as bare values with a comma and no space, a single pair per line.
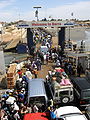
35,67
23,89
27,69
20,79
10,93
48,108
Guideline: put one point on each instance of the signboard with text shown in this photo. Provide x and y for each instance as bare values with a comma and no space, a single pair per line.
44,24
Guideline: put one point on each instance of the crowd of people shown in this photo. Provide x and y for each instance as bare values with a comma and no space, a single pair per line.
14,103
20,106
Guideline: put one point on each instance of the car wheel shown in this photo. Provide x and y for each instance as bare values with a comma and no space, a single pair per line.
65,99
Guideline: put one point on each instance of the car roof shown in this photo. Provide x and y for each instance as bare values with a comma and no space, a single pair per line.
81,82
65,110
36,87
76,117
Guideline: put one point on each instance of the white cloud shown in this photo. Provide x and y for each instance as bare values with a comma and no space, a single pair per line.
81,10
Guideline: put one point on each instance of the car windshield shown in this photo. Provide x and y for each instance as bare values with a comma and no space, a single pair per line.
38,99
62,93
86,94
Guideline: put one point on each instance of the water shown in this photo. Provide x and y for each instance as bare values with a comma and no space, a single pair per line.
2,63
87,40
11,56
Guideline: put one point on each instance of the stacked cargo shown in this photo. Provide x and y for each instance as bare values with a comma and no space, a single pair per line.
11,76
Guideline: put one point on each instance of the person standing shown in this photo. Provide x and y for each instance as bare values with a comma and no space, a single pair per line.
52,114
35,72
79,69
47,58
16,115
28,74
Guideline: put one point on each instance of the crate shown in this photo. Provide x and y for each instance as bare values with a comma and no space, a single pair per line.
12,68
10,79
10,74
10,82
10,86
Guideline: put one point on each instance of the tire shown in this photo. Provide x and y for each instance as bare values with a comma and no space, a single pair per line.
65,99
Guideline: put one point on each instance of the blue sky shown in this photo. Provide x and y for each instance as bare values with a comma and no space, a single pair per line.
12,10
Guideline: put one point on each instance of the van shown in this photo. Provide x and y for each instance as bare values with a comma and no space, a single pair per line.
36,92
44,51
81,91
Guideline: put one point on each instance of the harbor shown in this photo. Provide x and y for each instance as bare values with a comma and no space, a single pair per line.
44,60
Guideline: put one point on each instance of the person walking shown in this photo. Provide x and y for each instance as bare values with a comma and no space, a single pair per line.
52,114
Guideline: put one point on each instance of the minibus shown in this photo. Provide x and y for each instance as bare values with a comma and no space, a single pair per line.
37,92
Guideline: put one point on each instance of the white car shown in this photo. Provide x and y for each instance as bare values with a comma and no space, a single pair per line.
44,51
69,113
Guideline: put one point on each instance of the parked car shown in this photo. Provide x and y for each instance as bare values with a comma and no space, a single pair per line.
69,113
37,92
82,91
